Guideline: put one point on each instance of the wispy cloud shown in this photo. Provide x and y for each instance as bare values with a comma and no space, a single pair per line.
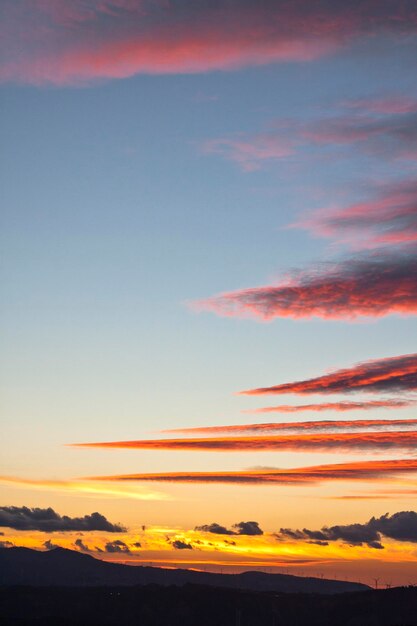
89,488
398,373
323,425
390,217
334,406
365,471
347,442
372,285
384,128
65,41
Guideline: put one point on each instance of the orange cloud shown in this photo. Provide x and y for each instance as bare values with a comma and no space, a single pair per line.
335,406
369,470
65,41
327,425
328,442
398,373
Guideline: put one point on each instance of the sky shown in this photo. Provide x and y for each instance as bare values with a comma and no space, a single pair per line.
209,283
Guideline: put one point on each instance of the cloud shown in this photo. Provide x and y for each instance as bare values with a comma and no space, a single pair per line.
392,135
251,152
215,528
241,528
47,520
81,545
65,41
177,544
373,285
49,545
385,127
6,544
367,470
323,425
391,374
248,528
328,442
392,104
333,406
401,526
390,217
82,487
116,546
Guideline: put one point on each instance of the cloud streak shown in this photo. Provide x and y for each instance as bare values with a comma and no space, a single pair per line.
67,41
322,425
334,406
357,471
347,442
372,286
391,374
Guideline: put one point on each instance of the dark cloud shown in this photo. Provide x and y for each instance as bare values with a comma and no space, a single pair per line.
248,528
49,545
400,526
241,528
6,544
181,545
47,520
137,544
391,374
215,528
116,546
81,545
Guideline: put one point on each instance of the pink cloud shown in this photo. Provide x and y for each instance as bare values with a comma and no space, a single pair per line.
390,217
70,41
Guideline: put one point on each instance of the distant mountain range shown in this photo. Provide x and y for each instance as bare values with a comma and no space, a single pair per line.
61,567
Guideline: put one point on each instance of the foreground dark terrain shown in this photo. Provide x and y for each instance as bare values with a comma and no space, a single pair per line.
193,605
60,567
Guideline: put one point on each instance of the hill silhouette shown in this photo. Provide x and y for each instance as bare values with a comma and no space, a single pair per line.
61,567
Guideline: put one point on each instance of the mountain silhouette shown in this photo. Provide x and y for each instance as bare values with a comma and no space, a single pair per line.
61,567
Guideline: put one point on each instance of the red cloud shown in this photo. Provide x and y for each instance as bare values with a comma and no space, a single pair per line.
334,406
71,40
398,373
326,425
378,441
373,286
370,470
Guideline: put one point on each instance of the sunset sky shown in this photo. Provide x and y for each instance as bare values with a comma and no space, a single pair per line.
209,283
